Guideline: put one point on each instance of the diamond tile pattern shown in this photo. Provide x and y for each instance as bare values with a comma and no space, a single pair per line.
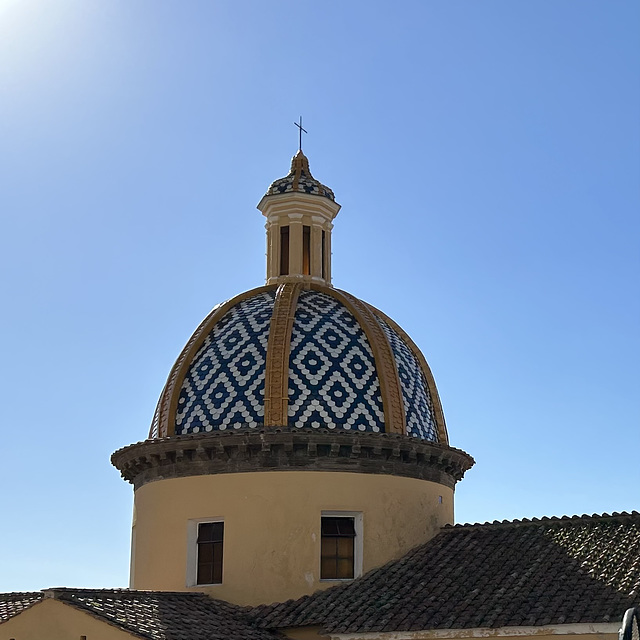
418,405
224,386
332,375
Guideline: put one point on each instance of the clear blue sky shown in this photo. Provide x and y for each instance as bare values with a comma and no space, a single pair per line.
487,159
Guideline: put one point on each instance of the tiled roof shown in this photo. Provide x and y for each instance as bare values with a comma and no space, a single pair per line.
158,615
522,573
11,604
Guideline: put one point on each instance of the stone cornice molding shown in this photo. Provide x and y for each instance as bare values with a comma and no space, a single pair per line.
290,450
272,206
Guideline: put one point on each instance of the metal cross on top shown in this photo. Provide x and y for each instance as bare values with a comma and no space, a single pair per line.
301,130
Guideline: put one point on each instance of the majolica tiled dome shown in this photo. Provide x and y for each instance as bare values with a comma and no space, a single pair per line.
299,179
299,355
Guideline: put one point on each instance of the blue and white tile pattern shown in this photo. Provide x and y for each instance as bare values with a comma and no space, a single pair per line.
224,386
418,405
305,185
332,375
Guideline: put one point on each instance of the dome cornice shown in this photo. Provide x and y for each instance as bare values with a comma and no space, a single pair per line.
290,450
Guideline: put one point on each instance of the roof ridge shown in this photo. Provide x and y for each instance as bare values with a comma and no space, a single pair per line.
545,520
69,593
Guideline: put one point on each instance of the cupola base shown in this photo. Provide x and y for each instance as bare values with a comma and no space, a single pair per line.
275,492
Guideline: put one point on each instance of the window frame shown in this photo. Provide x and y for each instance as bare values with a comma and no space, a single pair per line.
193,527
323,247
306,250
285,249
358,547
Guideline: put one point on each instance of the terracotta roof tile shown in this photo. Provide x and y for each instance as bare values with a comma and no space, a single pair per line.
523,573
157,615
11,604
168,615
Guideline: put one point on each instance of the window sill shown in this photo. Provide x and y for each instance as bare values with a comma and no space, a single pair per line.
338,579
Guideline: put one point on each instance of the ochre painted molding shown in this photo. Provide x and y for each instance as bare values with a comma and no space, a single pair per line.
168,403
579,631
390,390
443,436
276,386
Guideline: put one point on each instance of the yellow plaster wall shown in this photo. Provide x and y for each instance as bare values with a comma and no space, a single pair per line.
272,527
54,620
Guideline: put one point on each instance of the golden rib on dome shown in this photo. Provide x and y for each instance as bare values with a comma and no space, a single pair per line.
276,387
443,436
390,389
299,167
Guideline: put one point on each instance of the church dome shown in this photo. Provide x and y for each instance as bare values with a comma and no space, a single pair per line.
295,411
298,353
299,179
